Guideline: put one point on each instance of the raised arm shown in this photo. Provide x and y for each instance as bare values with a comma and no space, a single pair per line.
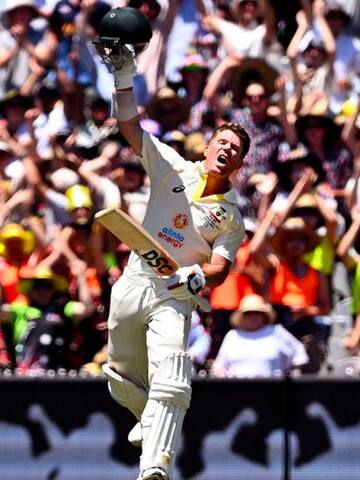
330,218
350,236
289,127
302,28
324,30
216,78
302,185
269,22
348,134
124,107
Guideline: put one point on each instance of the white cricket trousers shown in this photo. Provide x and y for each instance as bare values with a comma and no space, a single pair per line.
145,326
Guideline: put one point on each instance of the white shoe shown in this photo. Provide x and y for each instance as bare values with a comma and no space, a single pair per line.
154,473
134,436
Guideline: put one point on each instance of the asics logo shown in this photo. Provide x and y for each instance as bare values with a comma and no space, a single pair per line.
178,189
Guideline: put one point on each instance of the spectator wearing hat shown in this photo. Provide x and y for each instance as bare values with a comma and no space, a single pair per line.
96,126
42,329
168,109
299,172
195,144
194,73
245,278
313,72
265,131
51,191
21,44
13,127
11,170
312,208
255,346
253,82
299,292
17,245
176,140
320,136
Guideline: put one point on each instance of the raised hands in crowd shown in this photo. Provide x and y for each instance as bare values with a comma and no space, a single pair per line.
62,159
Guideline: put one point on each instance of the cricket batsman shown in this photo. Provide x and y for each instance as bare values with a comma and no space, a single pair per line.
193,214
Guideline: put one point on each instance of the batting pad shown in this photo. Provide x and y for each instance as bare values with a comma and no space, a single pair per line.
169,398
125,392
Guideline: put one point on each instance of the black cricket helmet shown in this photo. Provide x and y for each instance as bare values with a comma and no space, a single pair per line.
124,26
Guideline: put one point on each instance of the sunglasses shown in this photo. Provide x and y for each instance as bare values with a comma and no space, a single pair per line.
263,96
246,3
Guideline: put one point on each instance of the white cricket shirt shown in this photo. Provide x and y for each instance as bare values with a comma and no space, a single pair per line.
190,227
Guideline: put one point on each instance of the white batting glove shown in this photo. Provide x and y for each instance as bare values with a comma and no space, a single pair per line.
125,65
186,282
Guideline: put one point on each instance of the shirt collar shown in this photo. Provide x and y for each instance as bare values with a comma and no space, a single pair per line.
229,196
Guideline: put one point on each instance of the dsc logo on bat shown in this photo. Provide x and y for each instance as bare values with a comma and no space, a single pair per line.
157,262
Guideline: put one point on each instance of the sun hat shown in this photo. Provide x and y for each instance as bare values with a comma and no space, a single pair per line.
13,96
306,200
15,231
310,39
13,4
64,178
194,63
337,6
167,95
253,303
252,70
311,121
294,225
194,146
78,196
173,136
28,275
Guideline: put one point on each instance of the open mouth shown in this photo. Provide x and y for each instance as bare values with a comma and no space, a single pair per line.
222,159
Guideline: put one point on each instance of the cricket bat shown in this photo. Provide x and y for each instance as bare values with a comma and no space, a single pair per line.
143,244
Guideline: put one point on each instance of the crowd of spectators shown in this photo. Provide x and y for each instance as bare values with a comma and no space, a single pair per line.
289,74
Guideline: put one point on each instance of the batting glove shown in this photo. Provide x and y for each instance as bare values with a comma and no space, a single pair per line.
186,282
125,65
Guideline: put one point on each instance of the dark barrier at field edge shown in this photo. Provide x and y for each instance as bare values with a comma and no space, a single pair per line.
281,429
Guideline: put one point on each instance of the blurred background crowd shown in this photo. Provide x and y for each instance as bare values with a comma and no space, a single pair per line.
289,72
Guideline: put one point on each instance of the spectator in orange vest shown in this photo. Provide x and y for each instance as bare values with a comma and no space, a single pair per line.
298,292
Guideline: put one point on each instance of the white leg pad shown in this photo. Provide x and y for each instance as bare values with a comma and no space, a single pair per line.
125,392
169,398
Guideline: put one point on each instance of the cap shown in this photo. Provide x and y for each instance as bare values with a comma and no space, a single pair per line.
173,136
64,178
78,196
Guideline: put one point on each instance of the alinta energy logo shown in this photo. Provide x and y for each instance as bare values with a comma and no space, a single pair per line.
179,221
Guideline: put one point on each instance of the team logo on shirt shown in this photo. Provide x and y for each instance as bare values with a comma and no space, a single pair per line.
180,221
178,189
172,236
215,217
